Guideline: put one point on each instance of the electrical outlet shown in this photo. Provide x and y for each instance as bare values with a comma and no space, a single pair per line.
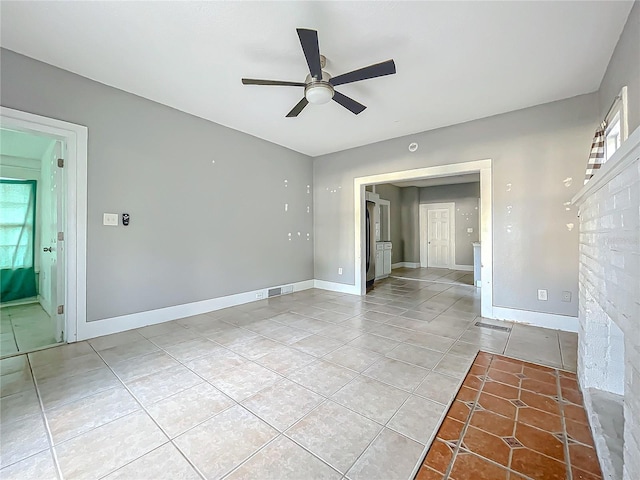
339,270
259,295
542,295
566,296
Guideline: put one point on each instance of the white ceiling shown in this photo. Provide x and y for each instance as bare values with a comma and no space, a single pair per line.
456,61
432,182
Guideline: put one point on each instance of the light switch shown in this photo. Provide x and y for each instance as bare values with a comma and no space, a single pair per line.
469,230
110,219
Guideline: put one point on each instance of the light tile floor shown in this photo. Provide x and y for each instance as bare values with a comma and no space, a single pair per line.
24,328
434,275
309,385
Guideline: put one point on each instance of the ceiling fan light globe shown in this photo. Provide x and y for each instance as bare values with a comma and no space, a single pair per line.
319,93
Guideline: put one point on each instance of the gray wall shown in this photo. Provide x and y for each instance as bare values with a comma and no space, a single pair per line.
198,230
410,210
467,214
533,152
392,193
624,69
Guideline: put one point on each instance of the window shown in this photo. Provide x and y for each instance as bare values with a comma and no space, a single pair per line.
612,138
616,120
17,223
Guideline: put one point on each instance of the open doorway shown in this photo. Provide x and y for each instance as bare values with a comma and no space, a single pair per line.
482,170
31,222
42,231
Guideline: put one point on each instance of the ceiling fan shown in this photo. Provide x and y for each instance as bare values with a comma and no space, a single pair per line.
319,85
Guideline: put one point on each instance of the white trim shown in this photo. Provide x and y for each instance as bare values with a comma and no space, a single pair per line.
122,323
423,233
486,229
75,137
620,160
405,265
335,287
463,268
537,319
619,105
380,203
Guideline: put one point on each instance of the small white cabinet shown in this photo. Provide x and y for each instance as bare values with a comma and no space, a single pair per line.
387,258
383,259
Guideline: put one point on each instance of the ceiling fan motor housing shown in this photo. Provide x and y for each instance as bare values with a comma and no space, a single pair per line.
318,91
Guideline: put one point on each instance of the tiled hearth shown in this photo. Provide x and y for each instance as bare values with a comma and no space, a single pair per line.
513,420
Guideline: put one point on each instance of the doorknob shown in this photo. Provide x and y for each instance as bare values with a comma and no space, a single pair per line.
47,249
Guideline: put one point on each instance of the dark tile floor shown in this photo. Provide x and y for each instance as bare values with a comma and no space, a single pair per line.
513,420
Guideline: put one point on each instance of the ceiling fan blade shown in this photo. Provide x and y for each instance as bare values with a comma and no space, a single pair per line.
311,49
295,111
348,103
372,71
253,81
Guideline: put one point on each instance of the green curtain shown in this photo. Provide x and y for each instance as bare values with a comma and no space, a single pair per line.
17,239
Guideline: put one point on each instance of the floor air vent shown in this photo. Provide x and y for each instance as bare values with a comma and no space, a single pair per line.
488,325
274,292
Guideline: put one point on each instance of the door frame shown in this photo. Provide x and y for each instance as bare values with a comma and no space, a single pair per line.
424,231
75,138
486,226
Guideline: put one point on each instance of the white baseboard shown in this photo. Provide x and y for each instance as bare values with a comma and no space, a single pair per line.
335,287
537,319
405,265
464,268
22,301
122,323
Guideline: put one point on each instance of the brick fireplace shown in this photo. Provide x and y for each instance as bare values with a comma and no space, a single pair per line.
609,335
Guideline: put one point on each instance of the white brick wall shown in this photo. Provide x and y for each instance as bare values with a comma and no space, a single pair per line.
609,277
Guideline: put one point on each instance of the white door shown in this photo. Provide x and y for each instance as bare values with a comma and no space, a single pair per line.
438,238
52,282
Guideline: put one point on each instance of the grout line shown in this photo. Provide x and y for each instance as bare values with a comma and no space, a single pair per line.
45,420
562,362
13,332
565,440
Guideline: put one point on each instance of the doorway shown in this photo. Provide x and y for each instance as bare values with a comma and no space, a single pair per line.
437,235
42,230
31,221
483,167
